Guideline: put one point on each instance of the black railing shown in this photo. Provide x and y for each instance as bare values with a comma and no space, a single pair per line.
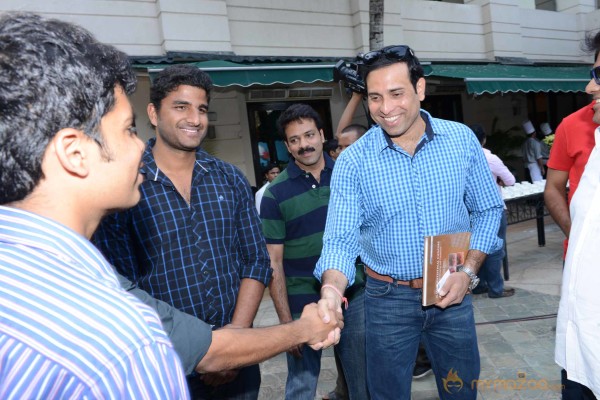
525,208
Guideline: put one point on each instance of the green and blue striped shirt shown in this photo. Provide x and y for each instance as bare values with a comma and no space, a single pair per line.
293,213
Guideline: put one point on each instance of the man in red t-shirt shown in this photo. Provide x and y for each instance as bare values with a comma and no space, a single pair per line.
573,143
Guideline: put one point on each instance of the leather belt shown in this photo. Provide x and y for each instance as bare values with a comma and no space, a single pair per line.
416,283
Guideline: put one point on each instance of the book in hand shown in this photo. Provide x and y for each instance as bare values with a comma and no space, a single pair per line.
443,255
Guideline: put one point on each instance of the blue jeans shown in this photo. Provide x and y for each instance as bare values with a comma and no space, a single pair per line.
303,374
244,387
490,272
351,348
396,324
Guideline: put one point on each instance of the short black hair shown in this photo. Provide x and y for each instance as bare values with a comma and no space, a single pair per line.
297,112
358,128
330,145
591,43
170,78
268,167
479,132
53,75
415,69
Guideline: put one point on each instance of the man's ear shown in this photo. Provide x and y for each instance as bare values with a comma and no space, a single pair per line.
71,147
421,84
152,114
322,136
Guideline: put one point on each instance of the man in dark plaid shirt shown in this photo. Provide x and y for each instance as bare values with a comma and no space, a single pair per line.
194,240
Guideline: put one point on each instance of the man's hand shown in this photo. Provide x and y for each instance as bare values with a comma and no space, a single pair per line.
454,289
324,328
327,310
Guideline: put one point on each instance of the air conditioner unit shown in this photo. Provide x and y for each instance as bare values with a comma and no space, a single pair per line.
267,94
293,93
309,93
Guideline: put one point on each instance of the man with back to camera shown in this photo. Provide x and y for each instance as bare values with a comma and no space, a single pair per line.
194,240
69,154
410,176
571,149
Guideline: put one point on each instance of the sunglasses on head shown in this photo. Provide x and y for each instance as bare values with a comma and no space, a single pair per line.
391,52
595,75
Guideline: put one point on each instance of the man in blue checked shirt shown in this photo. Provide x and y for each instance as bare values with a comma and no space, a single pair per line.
194,240
410,176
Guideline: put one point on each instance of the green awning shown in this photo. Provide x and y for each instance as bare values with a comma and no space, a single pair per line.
494,78
227,73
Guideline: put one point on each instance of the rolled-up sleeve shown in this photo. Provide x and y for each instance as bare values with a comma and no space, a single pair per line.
253,248
342,230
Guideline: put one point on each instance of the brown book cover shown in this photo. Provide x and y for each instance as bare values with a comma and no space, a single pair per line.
443,255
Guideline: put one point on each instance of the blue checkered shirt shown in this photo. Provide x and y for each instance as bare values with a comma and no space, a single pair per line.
190,256
385,201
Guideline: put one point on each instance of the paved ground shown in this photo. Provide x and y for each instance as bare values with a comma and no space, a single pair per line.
515,334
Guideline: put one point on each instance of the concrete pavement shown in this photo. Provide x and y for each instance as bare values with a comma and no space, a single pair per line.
515,334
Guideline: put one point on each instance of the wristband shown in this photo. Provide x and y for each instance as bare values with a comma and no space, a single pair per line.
344,300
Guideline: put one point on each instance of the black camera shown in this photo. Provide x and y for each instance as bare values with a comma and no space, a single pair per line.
348,72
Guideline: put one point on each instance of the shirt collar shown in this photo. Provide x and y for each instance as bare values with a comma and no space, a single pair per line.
295,171
151,170
385,141
28,229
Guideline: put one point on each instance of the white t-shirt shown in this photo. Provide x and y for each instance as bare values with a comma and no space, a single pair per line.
577,326
258,196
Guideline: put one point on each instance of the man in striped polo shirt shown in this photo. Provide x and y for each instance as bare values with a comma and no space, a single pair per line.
68,155
293,211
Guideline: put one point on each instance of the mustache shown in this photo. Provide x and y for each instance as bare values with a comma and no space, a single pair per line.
305,149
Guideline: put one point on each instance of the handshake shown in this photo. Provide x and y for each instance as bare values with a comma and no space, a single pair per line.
321,329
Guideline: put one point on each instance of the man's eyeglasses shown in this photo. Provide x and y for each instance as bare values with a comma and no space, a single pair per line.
391,52
595,75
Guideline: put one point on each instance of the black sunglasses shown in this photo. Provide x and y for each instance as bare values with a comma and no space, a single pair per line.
595,75
393,52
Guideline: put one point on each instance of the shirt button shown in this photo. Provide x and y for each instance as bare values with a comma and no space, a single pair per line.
206,273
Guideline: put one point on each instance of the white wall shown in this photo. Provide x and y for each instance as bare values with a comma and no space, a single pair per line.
291,28
478,30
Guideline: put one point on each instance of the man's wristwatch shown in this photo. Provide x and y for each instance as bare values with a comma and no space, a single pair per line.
474,278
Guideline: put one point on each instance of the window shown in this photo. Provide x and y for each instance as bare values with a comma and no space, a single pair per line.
549,5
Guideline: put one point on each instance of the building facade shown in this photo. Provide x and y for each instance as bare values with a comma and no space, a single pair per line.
493,62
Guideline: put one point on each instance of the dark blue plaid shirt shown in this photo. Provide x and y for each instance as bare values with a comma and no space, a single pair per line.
190,256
